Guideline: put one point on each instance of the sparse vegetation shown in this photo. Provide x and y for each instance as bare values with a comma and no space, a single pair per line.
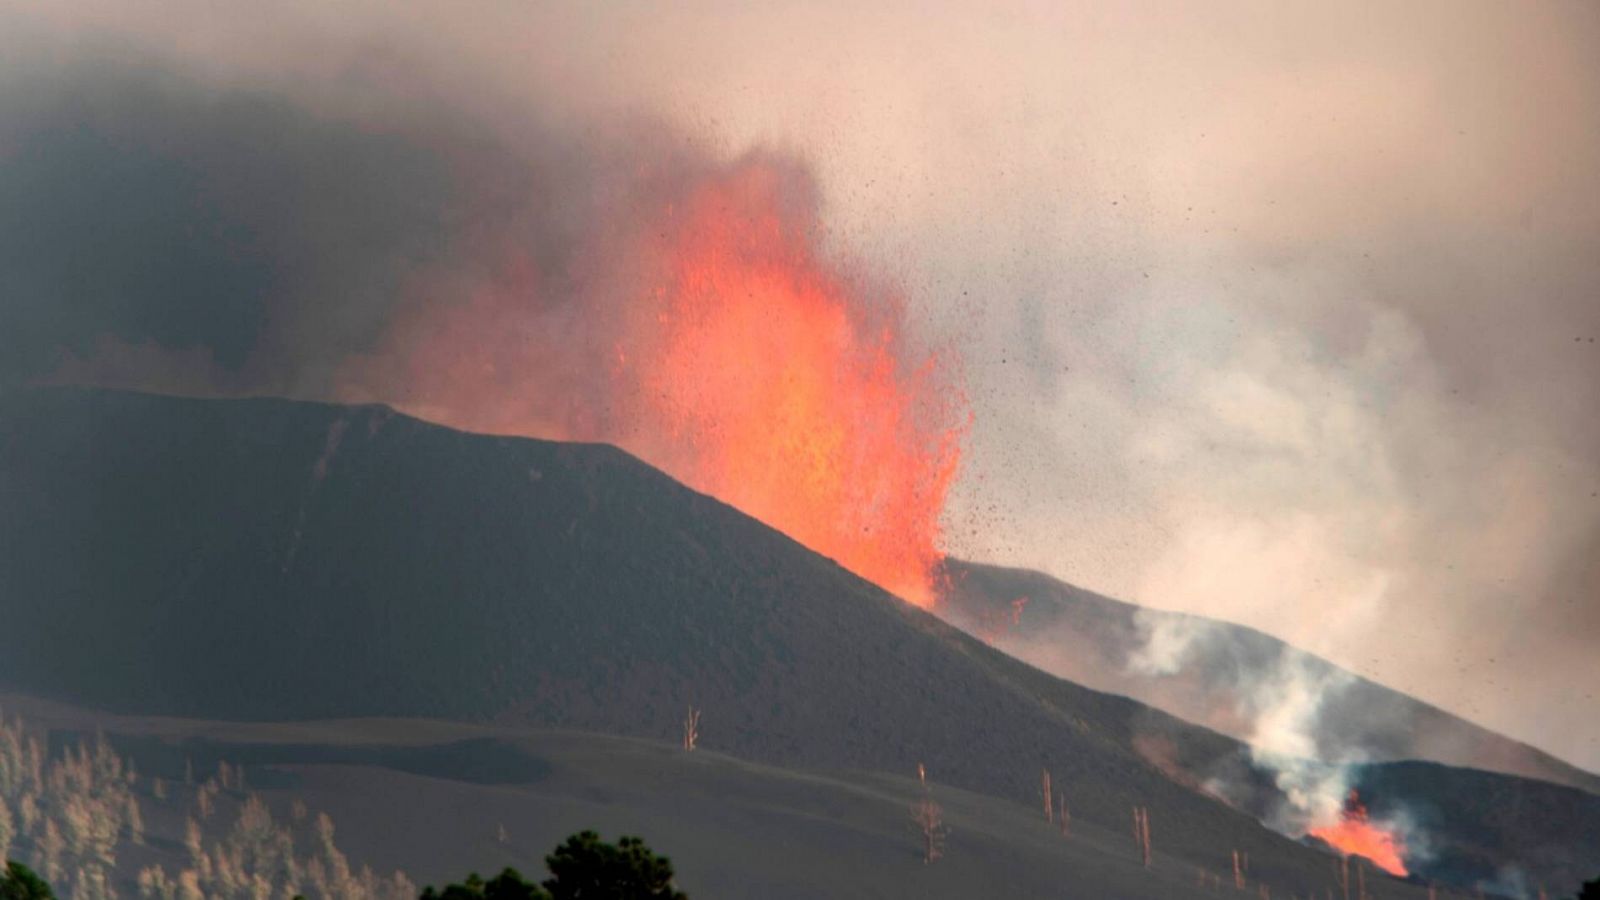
928,816
260,858
71,815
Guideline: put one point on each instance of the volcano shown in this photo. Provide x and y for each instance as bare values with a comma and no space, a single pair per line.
272,561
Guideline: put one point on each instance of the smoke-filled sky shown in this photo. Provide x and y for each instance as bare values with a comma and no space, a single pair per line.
1280,313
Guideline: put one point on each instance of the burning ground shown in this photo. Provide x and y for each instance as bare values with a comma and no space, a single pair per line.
1324,747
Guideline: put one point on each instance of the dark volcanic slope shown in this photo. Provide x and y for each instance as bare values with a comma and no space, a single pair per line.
1491,818
273,560
1090,639
265,559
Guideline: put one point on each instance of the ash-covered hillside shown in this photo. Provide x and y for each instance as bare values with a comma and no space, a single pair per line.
1217,668
268,560
274,560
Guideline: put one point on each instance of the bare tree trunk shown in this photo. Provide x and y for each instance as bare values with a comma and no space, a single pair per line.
929,819
1141,833
1144,817
1044,791
691,729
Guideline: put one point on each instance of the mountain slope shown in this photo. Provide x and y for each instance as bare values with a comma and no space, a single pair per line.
265,559
275,560
1096,641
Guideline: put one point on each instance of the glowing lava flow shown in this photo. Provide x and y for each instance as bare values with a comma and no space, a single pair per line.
706,331
779,389
1355,835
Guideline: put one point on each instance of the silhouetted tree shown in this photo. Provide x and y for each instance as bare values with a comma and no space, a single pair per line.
587,868
21,883
582,868
1591,890
508,885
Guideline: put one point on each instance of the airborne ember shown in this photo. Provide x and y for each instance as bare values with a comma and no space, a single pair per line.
744,361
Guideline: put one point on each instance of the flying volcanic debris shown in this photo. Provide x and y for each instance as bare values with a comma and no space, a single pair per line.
737,357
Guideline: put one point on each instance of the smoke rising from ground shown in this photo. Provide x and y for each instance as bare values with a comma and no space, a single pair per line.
1284,315
1289,710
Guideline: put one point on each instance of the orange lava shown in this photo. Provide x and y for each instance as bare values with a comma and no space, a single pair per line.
780,389
1355,835
712,335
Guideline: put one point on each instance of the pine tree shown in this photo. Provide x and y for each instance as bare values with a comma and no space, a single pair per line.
588,868
20,883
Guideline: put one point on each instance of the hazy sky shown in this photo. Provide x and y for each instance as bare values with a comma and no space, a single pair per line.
1282,313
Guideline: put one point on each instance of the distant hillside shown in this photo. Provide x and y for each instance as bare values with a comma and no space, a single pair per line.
275,560
1093,640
